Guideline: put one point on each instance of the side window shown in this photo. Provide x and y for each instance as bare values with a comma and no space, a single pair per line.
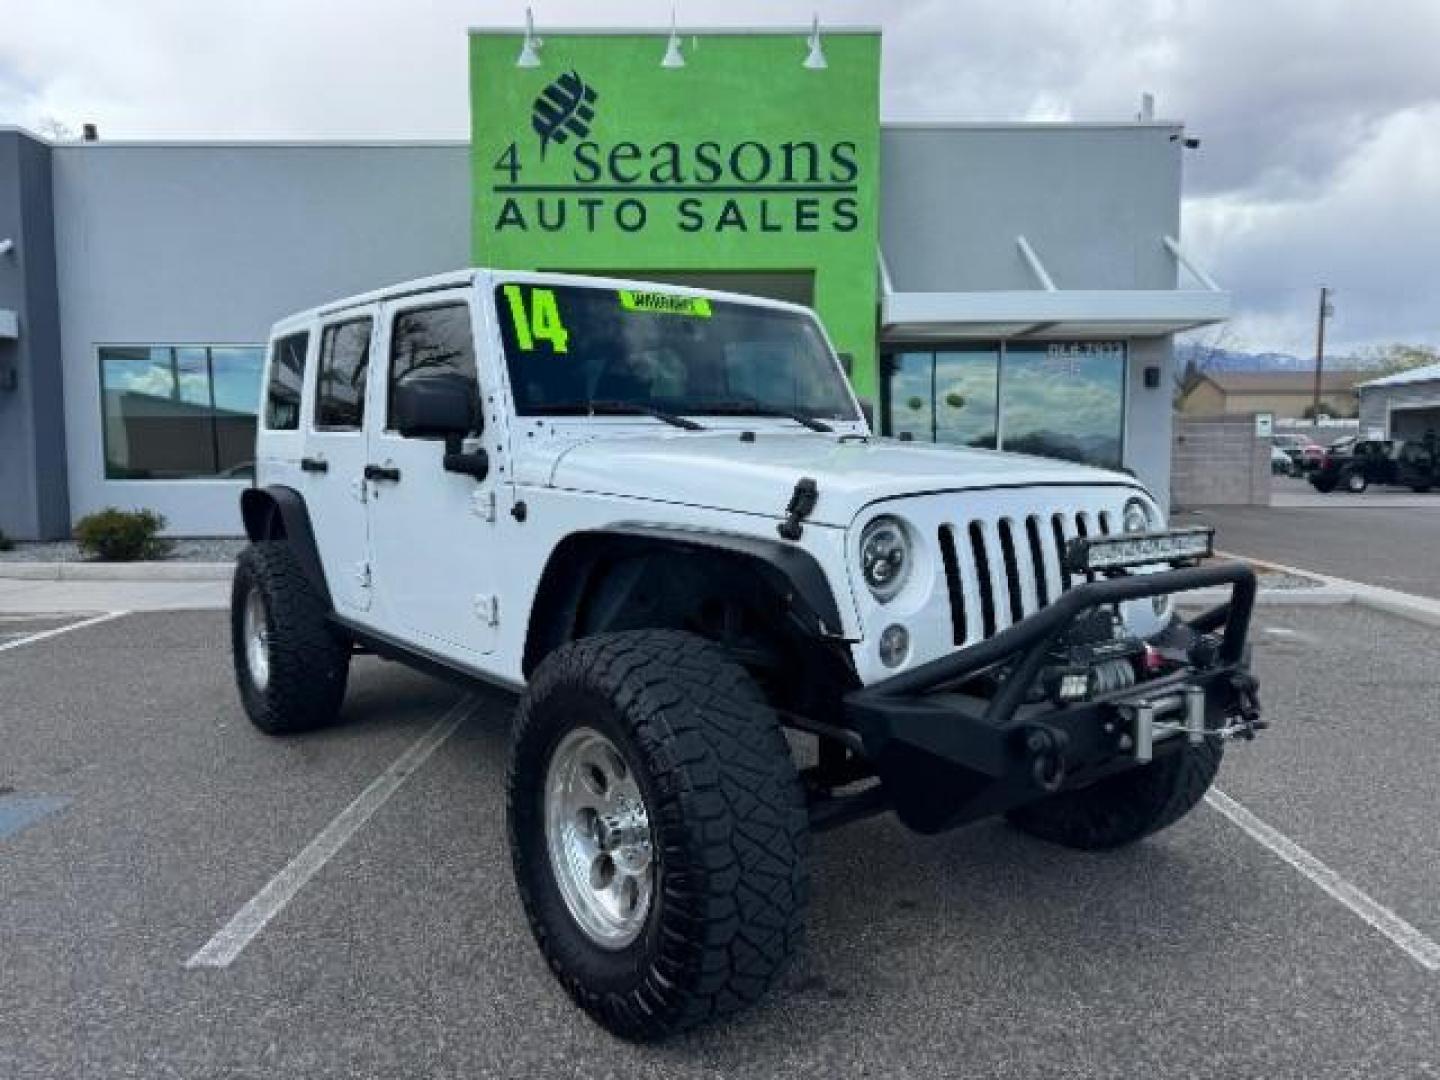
340,382
287,375
430,341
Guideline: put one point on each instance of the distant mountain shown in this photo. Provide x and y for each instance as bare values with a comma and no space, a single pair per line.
1212,359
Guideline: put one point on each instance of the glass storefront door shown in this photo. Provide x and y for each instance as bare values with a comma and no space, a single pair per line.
1058,399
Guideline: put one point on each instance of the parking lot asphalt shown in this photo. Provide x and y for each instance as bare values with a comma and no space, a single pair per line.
1367,538
1198,953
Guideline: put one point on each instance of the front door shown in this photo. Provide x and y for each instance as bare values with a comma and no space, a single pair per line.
333,467
432,532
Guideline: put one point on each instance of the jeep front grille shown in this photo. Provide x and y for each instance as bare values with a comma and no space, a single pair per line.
999,571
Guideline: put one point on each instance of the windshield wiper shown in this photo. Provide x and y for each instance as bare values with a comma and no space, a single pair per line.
621,408
752,407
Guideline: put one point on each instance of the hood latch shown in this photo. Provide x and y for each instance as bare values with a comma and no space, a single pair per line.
802,504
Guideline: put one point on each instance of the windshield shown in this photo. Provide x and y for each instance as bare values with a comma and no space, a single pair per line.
570,345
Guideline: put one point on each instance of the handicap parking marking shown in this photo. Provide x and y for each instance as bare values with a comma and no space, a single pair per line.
228,943
21,811
1423,950
30,639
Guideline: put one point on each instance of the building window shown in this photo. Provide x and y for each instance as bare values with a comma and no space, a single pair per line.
1065,400
1057,399
179,412
340,384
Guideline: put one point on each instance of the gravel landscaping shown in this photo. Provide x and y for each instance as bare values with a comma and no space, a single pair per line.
1274,579
193,549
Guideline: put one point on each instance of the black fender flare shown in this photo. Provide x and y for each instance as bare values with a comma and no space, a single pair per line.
279,512
792,571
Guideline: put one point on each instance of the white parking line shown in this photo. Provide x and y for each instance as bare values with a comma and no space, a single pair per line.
32,638
226,945
1416,945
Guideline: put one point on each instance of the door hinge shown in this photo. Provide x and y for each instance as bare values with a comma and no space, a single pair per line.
358,489
482,504
362,575
487,609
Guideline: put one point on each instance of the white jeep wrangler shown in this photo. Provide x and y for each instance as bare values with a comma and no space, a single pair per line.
660,515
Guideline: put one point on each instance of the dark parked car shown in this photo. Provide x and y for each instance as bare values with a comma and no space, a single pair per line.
1354,464
1417,465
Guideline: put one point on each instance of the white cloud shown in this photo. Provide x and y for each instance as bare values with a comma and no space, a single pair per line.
1318,117
1370,233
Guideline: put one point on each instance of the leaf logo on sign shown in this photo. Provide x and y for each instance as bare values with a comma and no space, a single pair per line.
564,108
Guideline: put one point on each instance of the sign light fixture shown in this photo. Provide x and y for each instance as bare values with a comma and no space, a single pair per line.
673,58
529,50
816,60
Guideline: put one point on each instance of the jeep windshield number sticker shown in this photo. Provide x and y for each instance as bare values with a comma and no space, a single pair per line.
665,304
537,321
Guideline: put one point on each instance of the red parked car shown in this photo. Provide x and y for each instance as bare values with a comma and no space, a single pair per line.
1304,453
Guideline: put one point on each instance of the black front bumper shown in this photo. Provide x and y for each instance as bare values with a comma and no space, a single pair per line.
947,754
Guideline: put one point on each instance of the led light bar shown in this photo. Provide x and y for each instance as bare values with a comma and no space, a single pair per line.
1100,553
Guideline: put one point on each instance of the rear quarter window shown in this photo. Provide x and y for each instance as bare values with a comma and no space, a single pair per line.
287,376
340,381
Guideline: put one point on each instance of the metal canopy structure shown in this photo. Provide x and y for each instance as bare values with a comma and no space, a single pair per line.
1050,311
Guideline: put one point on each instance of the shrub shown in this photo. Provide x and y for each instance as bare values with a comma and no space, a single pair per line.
6,544
113,535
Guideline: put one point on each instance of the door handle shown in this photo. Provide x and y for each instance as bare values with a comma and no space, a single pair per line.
382,472
314,464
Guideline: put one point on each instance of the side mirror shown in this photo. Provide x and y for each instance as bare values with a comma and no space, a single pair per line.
439,406
446,406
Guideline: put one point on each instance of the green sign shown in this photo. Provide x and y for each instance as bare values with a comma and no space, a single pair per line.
743,161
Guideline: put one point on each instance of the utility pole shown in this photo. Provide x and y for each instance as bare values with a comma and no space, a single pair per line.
1326,310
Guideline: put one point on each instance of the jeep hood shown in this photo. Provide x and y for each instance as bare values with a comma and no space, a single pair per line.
717,469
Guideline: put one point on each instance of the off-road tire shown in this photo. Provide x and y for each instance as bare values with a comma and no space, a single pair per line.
309,661
1420,489
1127,807
1325,487
1355,483
730,830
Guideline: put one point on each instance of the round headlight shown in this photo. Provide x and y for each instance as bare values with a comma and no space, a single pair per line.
1137,517
885,557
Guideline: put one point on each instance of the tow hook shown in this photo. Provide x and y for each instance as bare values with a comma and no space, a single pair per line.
1045,747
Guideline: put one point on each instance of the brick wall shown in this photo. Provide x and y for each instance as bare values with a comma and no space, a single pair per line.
1217,460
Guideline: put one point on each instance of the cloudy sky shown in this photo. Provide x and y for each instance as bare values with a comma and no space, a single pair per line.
1320,119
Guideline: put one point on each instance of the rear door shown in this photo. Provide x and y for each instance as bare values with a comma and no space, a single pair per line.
333,467
434,533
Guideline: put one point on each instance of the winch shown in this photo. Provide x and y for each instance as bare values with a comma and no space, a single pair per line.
1094,656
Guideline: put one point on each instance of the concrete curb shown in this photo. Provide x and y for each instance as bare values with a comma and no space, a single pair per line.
1320,596
1419,609
133,571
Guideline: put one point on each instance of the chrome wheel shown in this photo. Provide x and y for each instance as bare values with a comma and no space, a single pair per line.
597,830
257,640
